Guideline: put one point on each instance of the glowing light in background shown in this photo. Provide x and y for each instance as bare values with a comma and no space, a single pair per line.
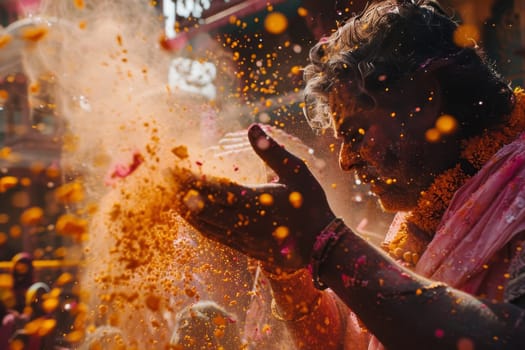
467,35
446,124
275,23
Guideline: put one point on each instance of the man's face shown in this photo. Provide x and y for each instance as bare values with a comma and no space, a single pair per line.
385,142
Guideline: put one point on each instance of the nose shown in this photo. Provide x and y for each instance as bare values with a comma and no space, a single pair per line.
348,158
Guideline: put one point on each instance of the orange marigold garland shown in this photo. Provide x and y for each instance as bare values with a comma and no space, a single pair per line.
478,150
436,199
421,224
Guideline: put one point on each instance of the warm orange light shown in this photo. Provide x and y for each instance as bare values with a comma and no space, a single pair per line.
432,135
275,23
446,124
466,35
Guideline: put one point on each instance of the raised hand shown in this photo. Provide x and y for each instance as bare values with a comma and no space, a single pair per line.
276,223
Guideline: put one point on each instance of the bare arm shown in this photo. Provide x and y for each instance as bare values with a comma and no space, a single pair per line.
405,310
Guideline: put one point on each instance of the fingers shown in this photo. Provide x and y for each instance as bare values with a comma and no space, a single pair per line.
221,201
212,230
241,231
185,179
229,211
250,246
285,164
219,191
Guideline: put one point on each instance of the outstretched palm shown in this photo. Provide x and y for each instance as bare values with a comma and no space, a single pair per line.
276,223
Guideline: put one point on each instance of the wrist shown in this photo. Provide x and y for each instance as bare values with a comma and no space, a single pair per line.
292,290
324,243
295,283
279,277
299,312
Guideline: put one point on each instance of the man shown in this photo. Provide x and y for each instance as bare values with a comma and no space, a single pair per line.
436,133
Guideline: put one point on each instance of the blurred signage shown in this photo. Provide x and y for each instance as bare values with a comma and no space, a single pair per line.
193,76
188,11
185,13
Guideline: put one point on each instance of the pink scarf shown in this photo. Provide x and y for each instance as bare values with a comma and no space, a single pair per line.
483,217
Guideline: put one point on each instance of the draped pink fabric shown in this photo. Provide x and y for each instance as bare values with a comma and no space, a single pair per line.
483,217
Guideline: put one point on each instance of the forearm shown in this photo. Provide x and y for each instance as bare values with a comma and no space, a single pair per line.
404,310
311,316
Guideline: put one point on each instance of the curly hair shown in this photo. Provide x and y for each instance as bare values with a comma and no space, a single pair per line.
391,39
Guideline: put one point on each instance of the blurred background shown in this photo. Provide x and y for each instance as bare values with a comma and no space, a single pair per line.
242,60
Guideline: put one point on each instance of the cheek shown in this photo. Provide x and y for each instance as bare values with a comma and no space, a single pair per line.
414,148
375,145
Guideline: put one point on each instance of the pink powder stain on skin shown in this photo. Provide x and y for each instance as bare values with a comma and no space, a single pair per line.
352,281
285,251
361,261
347,280
287,247
405,275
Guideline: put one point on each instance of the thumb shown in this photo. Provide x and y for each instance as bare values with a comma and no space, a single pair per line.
285,164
